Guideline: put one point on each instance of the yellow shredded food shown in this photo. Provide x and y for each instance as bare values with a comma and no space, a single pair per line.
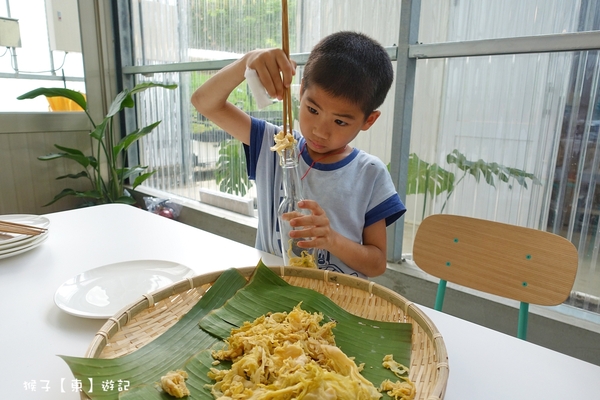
400,390
174,383
283,141
288,356
305,259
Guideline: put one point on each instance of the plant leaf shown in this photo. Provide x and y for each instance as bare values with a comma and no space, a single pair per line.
72,154
63,193
267,292
69,150
146,85
77,97
127,172
82,174
51,156
181,347
425,178
128,140
141,178
70,192
125,99
197,369
126,200
168,352
230,171
98,132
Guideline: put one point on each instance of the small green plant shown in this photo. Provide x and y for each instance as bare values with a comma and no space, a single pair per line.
480,168
432,180
231,173
427,179
107,187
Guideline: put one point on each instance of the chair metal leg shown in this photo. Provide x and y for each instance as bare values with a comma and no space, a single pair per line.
439,298
523,318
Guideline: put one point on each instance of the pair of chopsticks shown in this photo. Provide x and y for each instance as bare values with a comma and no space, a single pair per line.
12,227
288,119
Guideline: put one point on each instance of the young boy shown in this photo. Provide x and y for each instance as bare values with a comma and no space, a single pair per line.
349,193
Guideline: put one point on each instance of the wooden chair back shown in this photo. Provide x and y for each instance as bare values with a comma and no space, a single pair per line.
514,262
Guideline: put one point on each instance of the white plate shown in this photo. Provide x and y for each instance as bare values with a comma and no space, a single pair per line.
23,243
101,292
22,249
9,239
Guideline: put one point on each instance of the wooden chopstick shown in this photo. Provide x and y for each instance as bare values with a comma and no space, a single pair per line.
288,119
12,227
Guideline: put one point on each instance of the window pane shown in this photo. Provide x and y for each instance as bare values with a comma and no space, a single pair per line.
33,64
511,138
218,29
454,21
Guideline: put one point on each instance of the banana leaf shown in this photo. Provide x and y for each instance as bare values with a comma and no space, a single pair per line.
366,340
170,351
196,367
227,304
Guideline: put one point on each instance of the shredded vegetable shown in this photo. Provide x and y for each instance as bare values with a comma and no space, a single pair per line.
283,141
288,356
399,390
305,259
293,356
174,383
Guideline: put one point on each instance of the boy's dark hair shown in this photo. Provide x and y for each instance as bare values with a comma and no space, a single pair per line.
353,66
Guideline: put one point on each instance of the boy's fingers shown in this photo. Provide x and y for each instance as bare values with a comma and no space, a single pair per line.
274,70
312,206
288,69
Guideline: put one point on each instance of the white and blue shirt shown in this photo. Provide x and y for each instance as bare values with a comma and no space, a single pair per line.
354,192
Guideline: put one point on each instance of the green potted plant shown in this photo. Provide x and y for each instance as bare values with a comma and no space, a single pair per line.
432,179
481,168
231,173
105,167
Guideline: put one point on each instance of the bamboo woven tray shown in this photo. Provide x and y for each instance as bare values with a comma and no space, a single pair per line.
154,313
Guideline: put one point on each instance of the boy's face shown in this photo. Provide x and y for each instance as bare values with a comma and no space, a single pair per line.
329,123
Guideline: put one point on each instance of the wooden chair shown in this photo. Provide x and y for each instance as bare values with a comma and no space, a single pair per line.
523,264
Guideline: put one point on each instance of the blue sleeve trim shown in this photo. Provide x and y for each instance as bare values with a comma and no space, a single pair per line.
252,151
390,209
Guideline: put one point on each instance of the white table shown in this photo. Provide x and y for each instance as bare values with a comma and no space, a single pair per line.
484,364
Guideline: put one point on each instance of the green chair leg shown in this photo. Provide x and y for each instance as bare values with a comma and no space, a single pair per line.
439,298
523,318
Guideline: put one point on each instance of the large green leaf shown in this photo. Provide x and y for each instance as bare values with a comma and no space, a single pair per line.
227,304
231,173
71,154
125,99
366,340
425,178
82,174
489,169
56,92
197,368
128,140
169,351
141,178
88,194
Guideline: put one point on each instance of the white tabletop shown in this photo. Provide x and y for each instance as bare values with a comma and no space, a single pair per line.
484,364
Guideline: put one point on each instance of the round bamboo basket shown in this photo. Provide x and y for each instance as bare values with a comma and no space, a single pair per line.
146,319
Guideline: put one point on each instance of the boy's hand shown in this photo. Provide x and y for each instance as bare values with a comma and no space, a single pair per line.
274,70
368,257
316,226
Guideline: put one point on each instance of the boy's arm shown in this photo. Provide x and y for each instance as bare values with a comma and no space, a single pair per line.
369,258
274,70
